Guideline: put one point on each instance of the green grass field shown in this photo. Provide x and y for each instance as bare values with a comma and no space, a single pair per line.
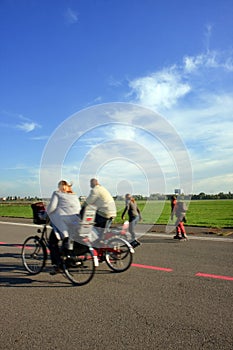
209,213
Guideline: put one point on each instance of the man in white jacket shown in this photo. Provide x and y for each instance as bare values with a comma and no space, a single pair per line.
104,202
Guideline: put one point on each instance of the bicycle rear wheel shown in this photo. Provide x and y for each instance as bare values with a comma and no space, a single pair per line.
80,269
34,255
118,255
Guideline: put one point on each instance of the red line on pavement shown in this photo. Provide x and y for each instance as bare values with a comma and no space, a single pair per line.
199,274
152,267
227,278
13,245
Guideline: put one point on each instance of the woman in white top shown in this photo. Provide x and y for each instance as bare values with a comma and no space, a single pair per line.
63,211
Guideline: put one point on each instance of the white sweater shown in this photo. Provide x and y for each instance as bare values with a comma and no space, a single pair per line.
62,210
103,200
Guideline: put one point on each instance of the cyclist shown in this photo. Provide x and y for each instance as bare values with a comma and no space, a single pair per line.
101,198
62,210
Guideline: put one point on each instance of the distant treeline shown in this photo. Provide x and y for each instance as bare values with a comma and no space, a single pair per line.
220,195
200,196
157,196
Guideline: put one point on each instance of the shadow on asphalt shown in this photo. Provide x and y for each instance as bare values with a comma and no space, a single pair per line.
158,240
15,274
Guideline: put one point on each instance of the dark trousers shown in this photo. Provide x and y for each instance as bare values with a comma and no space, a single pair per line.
54,249
100,221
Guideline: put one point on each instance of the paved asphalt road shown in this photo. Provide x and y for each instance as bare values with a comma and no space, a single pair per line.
159,303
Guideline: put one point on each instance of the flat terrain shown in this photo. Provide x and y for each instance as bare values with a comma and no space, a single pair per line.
202,213
177,295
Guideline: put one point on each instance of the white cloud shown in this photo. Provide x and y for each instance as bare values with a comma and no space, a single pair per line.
20,180
71,16
114,82
18,121
197,98
40,138
211,59
123,132
125,153
27,126
159,90
164,89
214,183
207,35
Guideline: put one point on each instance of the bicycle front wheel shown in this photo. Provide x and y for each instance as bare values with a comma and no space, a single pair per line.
80,269
118,255
34,255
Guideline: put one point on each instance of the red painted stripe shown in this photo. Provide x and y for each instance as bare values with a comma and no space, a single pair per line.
13,245
227,278
152,267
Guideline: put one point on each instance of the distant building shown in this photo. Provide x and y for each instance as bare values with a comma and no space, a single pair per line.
178,191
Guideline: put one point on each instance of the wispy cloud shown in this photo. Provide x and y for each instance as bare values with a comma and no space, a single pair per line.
114,82
161,89
27,126
16,178
18,121
40,138
207,36
197,97
211,59
164,89
71,16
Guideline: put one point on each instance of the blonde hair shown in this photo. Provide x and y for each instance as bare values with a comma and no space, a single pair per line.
65,183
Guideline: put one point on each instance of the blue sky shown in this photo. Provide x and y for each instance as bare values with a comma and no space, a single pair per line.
61,57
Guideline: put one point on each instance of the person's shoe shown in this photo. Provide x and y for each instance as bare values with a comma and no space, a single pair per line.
184,238
75,263
177,237
71,261
135,243
55,270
